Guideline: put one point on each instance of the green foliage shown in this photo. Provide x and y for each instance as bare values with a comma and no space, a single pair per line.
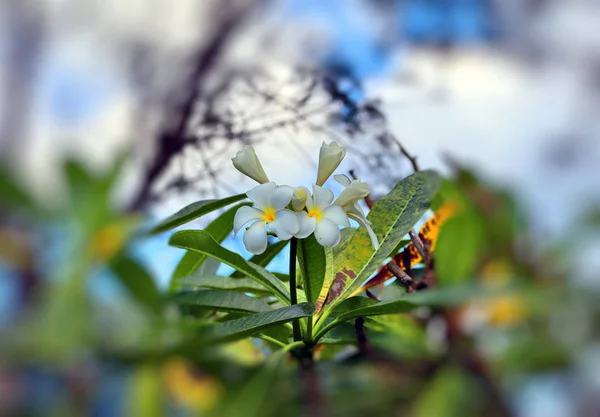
202,242
266,257
221,300
219,229
247,326
253,399
194,211
218,282
449,394
458,249
316,266
392,217
138,281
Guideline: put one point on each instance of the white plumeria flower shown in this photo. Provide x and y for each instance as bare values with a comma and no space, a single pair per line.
330,157
353,192
299,198
271,201
248,164
322,218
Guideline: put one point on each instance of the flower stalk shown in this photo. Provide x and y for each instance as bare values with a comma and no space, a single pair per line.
293,292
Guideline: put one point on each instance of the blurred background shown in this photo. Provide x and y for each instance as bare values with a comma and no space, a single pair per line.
130,110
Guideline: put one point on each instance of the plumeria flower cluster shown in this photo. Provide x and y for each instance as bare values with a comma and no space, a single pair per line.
288,212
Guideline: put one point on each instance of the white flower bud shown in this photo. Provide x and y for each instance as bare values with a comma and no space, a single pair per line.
248,164
330,157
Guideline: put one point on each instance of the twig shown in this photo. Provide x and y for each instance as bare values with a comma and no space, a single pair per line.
173,137
411,158
402,276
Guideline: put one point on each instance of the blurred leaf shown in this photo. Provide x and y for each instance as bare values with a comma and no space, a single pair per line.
193,211
247,326
316,266
12,194
145,392
218,282
202,242
266,257
449,394
253,399
219,300
364,307
138,281
392,217
458,249
87,201
219,228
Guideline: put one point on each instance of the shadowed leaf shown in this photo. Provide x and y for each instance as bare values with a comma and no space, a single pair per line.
220,300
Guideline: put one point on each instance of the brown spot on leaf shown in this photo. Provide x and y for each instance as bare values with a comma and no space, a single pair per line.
348,272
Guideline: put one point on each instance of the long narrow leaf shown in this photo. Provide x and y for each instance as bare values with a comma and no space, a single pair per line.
218,282
202,242
219,300
316,263
247,326
193,211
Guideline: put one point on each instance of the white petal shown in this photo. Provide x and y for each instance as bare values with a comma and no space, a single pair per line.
281,197
367,225
337,215
342,179
356,210
353,193
307,224
322,197
243,216
255,238
261,194
285,225
327,233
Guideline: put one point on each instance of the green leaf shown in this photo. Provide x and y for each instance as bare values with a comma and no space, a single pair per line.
219,228
247,326
253,399
442,297
364,307
202,242
458,249
145,392
219,300
316,266
392,217
218,282
138,281
193,211
266,257
14,194
450,393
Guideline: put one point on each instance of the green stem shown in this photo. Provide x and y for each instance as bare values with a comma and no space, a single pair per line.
272,340
293,295
319,334
292,345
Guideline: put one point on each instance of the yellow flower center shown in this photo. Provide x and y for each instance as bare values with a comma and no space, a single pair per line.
316,213
269,215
